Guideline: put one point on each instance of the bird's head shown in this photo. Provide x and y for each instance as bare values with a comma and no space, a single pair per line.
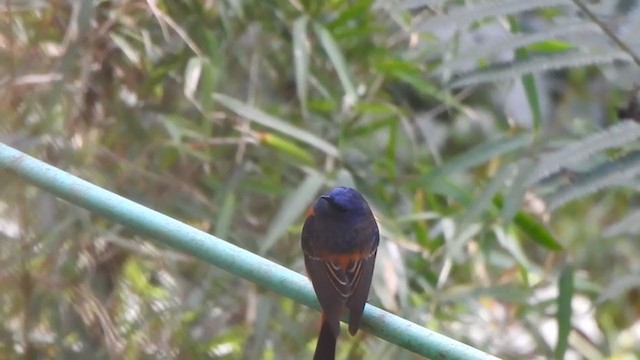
341,202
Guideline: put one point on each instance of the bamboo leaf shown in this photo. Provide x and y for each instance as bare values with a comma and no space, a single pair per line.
617,135
530,88
515,196
464,235
528,81
285,146
540,63
260,329
225,218
536,231
480,154
294,205
619,172
484,200
192,74
462,16
563,316
339,64
301,60
509,293
538,41
550,46
618,287
425,87
630,225
272,122
531,227
475,209
511,245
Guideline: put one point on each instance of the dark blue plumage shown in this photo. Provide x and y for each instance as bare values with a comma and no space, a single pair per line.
339,239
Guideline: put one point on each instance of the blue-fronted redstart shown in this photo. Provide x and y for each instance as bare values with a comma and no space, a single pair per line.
340,240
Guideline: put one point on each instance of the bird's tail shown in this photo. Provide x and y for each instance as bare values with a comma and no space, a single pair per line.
326,346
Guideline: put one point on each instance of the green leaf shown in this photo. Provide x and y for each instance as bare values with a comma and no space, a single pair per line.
630,225
192,73
563,316
286,146
272,122
207,84
536,231
512,246
618,287
130,51
531,227
139,280
462,293
337,60
476,207
515,196
464,15
615,173
291,208
617,135
260,329
410,74
550,46
223,223
301,60
480,154
528,81
463,234
538,64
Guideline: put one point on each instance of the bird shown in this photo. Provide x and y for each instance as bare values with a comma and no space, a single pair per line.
339,240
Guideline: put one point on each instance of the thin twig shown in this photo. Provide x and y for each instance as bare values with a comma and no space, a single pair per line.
608,31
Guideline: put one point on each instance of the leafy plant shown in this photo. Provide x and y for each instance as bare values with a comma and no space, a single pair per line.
484,133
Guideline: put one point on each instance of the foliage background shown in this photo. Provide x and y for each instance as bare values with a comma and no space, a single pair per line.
487,135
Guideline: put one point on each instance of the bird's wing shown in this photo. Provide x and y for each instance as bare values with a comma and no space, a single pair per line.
360,291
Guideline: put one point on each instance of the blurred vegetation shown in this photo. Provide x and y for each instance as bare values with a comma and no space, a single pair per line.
496,140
